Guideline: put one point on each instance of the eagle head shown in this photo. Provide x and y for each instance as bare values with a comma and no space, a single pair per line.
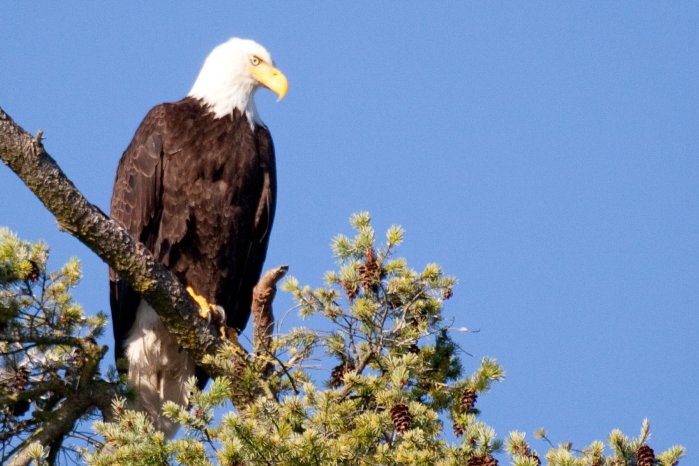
232,73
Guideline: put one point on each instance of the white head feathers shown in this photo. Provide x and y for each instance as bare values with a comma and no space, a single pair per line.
226,82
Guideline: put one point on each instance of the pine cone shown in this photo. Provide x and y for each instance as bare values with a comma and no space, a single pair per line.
467,400
19,384
21,379
34,273
645,456
475,461
524,450
350,290
401,417
336,375
458,430
447,293
482,461
370,271
338,372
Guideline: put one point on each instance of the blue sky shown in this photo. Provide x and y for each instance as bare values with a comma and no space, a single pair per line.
545,153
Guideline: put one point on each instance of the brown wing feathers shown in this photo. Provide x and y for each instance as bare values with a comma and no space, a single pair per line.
200,193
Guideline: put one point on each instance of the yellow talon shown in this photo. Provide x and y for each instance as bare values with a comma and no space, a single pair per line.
217,313
204,306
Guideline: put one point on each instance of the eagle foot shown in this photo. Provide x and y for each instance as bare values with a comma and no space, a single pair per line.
214,313
208,311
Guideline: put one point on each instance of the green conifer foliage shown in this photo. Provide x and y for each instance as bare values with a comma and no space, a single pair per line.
392,390
49,355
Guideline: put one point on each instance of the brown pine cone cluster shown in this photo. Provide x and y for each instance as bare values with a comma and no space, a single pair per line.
21,379
467,400
18,385
645,456
34,273
370,271
524,450
482,461
401,417
350,290
338,372
458,430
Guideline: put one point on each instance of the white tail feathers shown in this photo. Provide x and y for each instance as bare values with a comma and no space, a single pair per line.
158,368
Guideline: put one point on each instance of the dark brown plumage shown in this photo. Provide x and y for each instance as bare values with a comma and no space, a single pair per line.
200,193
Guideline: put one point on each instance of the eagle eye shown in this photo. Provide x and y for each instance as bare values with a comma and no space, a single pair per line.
255,60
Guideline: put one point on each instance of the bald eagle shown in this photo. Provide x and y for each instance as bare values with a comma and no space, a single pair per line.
197,186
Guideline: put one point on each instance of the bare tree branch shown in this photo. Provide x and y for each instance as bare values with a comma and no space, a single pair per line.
262,315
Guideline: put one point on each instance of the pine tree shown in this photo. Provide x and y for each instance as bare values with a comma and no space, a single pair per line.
396,380
49,355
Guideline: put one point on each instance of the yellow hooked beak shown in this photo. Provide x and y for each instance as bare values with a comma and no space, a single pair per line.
271,78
